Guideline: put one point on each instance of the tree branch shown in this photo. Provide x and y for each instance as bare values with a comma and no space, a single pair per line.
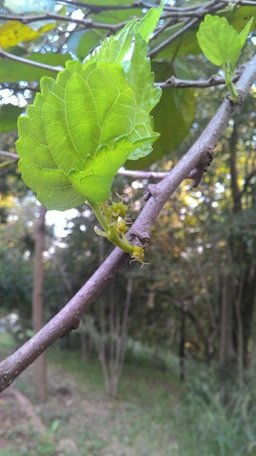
160,193
142,174
10,155
187,25
16,58
187,83
240,2
99,8
88,23
169,83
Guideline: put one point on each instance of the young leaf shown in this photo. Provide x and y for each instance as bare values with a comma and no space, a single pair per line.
85,125
149,22
219,41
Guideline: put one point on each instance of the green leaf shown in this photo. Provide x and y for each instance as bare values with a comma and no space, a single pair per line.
245,32
149,22
11,71
83,42
219,41
39,170
173,117
82,127
8,117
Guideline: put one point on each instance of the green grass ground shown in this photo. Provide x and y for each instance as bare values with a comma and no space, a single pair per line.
153,415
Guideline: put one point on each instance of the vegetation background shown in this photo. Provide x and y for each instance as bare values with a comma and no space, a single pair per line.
163,363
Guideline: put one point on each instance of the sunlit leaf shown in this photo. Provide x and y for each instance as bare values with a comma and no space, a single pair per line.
219,41
83,127
14,32
150,21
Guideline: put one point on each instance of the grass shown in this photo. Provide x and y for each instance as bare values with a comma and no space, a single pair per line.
6,343
137,420
153,414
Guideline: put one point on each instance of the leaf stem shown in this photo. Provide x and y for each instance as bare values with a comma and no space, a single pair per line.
102,221
229,74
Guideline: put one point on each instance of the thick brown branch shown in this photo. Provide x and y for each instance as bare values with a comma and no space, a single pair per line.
12,366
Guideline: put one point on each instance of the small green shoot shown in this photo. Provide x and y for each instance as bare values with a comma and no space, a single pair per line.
222,46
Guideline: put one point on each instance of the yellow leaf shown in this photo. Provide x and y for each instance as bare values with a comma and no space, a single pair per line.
14,32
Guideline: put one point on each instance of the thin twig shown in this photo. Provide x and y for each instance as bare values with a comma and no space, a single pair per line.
186,83
10,155
241,2
99,8
187,25
88,23
16,58
142,174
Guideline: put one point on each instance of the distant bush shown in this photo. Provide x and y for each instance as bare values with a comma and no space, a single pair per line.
219,420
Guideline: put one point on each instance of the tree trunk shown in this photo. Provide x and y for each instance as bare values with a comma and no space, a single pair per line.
226,353
182,346
37,302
